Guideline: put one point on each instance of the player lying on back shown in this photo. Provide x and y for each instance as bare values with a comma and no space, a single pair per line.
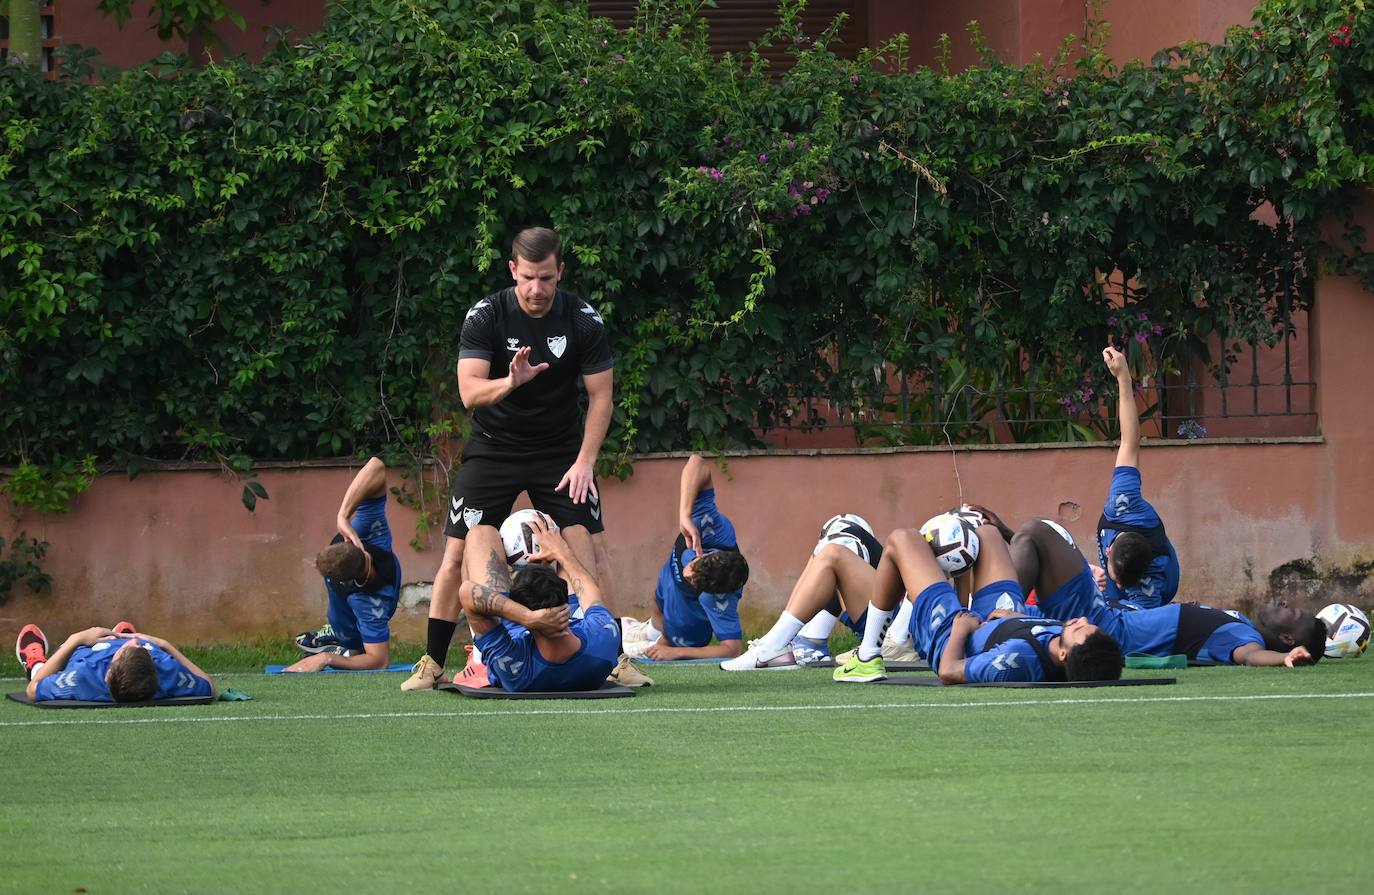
699,588
1139,563
964,646
1279,635
841,567
108,665
531,640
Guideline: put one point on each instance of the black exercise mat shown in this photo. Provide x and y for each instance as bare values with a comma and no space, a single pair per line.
607,691
923,681
83,704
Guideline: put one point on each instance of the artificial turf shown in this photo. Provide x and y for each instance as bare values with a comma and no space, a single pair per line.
1234,780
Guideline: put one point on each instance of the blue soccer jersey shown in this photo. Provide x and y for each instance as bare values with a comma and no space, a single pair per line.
360,613
691,617
514,663
1125,506
1000,650
83,677
1199,632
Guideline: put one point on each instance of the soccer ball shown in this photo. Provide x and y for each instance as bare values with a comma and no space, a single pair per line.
840,522
845,540
1063,532
519,538
972,518
953,541
1347,630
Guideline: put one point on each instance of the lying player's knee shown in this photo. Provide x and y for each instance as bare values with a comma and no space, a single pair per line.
902,539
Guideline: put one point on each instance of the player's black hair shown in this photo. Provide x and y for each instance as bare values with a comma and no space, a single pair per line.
132,676
535,244
1311,633
1097,658
538,587
722,572
1130,557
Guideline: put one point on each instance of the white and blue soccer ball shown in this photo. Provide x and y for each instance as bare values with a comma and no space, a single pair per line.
970,516
837,530
953,541
519,538
1347,630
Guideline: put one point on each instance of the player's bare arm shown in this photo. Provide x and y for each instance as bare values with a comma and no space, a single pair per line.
1128,454
1255,655
580,477
58,660
723,649
696,477
370,482
552,548
952,660
478,389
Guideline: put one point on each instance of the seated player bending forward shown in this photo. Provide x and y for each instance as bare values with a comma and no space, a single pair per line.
1280,634
552,653
700,585
967,646
104,665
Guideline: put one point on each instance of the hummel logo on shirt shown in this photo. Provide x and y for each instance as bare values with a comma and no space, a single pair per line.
512,344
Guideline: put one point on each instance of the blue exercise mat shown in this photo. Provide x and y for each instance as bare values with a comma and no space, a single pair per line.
279,669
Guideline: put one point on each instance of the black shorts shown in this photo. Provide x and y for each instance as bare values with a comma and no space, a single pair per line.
487,486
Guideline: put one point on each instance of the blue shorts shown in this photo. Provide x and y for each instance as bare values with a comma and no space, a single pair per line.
361,618
999,595
931,619
1074,598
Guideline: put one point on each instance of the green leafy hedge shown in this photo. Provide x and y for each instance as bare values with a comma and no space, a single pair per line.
242,261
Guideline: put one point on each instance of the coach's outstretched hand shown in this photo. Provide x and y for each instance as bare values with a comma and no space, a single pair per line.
521,370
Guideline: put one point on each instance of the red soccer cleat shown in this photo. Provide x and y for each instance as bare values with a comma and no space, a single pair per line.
124,628
31,647
474,674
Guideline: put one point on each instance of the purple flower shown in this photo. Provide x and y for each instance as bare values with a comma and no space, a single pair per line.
803,209
1192,429
1158,330
791,144
582,81
763,157
618,58
1149,158
853,79
715,174
1111,321
822,194
1142,316
1141,337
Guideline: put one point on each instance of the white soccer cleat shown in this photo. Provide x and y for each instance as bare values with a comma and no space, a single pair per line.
756,658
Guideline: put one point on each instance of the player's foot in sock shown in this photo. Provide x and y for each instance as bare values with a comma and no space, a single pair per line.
857,671
627,674
756,658
31,648
810,652
317,641
425,675
124,628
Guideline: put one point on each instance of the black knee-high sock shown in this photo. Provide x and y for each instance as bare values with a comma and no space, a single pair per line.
440,637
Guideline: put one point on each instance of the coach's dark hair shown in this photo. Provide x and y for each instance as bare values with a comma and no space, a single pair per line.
341,562
1130,557
722,572
132,676
538,587
1097,658
536,244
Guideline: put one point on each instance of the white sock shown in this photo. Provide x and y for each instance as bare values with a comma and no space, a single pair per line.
476,653
652,634
784,629
820,626
875,626
34,670
900,631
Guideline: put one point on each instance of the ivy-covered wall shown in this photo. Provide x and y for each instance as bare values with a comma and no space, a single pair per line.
238,262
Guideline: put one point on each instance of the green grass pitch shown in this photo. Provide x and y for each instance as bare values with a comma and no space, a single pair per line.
1234,780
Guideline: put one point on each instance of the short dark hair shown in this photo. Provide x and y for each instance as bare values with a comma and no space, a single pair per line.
536,244
722,572
538,587
1131,555
1097,658
132,677
341,562
1311,633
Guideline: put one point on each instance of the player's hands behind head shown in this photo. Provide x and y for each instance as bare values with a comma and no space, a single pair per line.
549,621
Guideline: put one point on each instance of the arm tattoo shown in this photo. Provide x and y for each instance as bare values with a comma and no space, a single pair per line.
575,586
486,601
498,573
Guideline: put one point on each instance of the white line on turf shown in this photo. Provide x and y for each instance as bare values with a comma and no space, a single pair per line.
679,710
